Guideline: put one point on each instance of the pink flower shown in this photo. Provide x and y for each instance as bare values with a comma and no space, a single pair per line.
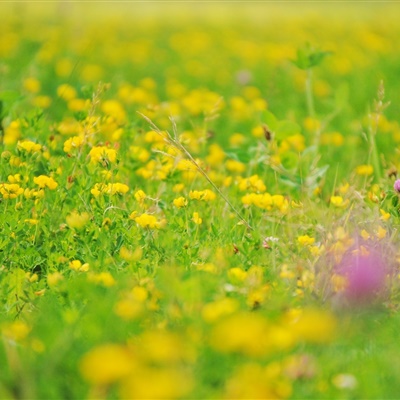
396,186
365,271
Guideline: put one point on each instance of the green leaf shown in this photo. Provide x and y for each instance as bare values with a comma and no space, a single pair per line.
308,57
286,128
269,119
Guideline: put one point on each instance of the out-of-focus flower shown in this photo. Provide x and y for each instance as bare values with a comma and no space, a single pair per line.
365,270
396,186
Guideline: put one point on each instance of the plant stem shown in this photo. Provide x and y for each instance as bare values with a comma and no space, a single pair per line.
374,151
309,94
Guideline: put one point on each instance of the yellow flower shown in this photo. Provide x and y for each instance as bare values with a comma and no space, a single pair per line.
16,331
109,189
384,215
54,278
253,183
381,233
365,235
235,166
305,240
196,218
10,190
73,143
106,364
32,85
205,195
28,146
245,333
180,202
103,278
237,275
45,181
365,170
102,155
76,220
315,326
212,312
140,196
147,221
66,92
338,201
76,265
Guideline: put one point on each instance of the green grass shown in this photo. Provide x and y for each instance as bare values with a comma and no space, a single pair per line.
109,288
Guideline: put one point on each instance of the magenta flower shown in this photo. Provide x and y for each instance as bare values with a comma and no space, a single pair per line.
396,186
365,271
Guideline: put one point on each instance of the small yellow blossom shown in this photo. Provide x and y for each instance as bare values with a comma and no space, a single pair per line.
76,220
365,235
28,146
305,240
338,201
140,196
102,278
237,275
196,218
73,143
66,92
102,155
253,183
180,202
384,215
364,170
381,233
147,221
76,265
105,364
54,278
45,181
10,190
206,195
32,85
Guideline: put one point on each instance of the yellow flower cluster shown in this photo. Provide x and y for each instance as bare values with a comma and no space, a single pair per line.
102,155
266,201
10,190
110,189
205,195
44,181
253,184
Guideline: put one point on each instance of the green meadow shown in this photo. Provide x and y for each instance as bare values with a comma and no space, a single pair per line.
199,200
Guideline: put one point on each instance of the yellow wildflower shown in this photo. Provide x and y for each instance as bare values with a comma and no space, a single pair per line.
10,190
102,155
73,143
180,202
76,220
381,233
45,181
147,221
140,196
196,218
365,170
66,92
384,215
28,146
76,265
105,364
32,85
338,201
305,240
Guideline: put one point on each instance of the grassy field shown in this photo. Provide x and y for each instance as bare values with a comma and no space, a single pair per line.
199,200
